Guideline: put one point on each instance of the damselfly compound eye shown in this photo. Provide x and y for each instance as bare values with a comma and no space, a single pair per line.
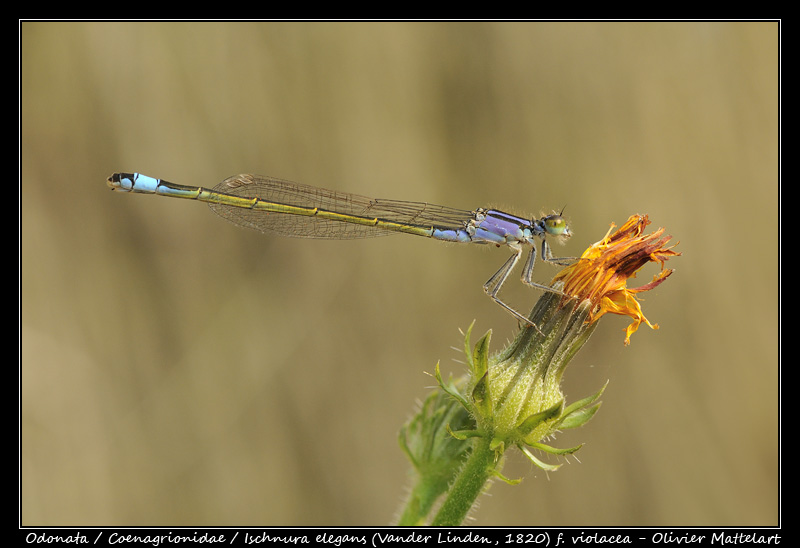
555,225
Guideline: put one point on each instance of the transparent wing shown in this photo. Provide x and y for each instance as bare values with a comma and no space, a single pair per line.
284,192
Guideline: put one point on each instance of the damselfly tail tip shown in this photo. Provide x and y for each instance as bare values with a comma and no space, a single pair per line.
113,181
118,181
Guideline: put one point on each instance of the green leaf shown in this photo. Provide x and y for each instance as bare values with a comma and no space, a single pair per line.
509,481
480,355
463,434
579,413
468,345
497,445
529,425
555,450
585,401
578,418
481,396
406,449
450,388
543,465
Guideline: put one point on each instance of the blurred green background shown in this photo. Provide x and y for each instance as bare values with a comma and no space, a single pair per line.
179,370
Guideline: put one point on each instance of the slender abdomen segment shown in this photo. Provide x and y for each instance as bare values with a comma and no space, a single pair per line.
136,182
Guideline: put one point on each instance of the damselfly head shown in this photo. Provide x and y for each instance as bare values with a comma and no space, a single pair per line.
556,225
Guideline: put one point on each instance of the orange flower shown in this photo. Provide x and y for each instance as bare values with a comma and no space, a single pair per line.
602,272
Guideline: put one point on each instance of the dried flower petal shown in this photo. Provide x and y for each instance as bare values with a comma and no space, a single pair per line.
601,274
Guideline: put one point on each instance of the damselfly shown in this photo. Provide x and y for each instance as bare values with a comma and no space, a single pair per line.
301,211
